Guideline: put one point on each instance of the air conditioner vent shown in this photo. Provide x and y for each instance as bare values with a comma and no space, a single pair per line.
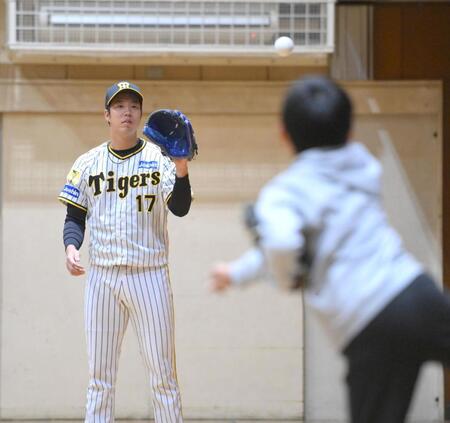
186,26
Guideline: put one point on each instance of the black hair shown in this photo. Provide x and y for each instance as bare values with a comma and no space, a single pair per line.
317,113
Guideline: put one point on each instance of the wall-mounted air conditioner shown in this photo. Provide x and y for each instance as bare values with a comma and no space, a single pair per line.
172,26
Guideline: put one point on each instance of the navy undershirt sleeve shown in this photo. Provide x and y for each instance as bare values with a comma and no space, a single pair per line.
74,227
180,201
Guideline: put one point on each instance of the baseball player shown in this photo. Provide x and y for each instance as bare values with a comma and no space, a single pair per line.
320,224
123,189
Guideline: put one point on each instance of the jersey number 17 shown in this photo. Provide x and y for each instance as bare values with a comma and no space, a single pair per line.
147,199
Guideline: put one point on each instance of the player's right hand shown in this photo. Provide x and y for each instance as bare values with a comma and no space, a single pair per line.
220,278
73,261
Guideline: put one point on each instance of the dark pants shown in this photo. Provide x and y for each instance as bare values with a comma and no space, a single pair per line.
385,358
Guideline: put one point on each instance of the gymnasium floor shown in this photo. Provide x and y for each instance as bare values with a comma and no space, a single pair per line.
200,421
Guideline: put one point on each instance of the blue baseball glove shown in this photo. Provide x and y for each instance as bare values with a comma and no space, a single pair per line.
172,132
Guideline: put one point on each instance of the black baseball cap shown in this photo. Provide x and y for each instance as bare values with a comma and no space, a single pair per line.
120,86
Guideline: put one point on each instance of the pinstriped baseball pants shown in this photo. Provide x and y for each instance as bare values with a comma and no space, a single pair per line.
113,296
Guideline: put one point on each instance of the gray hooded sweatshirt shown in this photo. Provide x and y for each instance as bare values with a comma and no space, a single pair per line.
326,208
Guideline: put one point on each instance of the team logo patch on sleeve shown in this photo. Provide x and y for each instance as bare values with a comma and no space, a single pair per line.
73,177
152,164
72,191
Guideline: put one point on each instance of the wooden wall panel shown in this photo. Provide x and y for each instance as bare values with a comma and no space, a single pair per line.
352,59
7,72
4,53
289,73
426,41
100,72
40,72
169,73
412,41
201,96
29,72
387,42
234,73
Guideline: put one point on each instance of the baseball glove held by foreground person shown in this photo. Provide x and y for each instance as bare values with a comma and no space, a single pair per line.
172,131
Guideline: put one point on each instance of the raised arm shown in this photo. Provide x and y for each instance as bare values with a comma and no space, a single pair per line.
181,198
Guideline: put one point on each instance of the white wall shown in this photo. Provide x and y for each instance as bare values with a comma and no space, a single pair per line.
240,355
233,360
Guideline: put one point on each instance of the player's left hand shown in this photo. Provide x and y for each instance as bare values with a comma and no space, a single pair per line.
220,278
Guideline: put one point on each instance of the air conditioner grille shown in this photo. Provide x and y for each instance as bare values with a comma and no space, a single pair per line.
187,25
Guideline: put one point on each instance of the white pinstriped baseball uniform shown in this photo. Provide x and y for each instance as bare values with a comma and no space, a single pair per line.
126,203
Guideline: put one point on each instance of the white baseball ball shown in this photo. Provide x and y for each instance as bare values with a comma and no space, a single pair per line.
284,46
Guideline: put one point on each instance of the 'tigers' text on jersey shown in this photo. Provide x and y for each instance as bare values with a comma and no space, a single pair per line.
123,183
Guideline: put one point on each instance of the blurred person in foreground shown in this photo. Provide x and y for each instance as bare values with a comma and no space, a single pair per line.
320,225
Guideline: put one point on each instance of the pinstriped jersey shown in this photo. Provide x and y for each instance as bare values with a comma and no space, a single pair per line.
126,203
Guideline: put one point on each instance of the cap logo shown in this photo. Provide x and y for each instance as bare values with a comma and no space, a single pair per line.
123,85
